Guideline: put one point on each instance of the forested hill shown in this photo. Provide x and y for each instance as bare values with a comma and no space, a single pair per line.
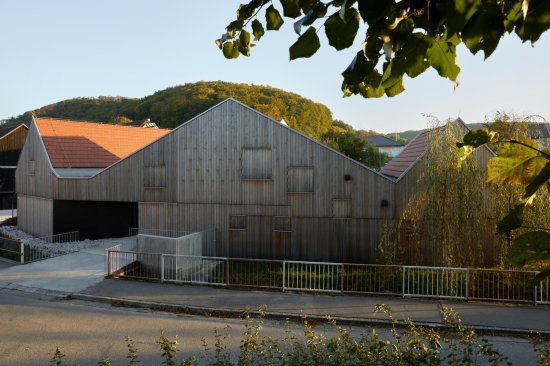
170,107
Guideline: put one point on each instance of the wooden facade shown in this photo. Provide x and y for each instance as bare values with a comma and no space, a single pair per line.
268,190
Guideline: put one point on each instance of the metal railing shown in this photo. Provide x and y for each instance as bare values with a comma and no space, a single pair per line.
312,276
435,282
406,281
68,237
373,279
193,269
10,249
134,265
502,285
45,247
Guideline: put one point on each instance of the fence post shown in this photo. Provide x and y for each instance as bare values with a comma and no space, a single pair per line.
162,268
342,284
467,283
108,263
284,275
22,250
227,271
403,282
536,290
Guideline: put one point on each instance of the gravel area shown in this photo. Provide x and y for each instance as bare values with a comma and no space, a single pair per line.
46,248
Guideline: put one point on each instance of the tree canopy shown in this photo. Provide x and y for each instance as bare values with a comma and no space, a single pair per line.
401,37
172,106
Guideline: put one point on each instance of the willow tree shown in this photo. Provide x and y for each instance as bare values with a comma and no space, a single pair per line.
449,219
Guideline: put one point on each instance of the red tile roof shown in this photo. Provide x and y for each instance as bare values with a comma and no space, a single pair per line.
78,144
410,154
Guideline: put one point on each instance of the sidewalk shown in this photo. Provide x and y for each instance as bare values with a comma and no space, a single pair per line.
80,276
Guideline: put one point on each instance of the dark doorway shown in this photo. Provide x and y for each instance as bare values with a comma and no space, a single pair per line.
94,219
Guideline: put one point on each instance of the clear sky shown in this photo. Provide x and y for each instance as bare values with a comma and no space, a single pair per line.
58,49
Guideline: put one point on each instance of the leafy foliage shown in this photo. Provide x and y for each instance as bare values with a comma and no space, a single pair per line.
352,145
447,219
404,343
519,161
402,37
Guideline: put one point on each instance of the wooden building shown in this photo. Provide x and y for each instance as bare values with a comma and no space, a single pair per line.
11,143
268,190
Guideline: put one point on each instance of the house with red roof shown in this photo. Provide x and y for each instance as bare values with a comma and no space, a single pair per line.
267,190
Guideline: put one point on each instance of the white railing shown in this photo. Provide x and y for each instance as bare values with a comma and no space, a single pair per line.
435,282
37,249
543,292
406,281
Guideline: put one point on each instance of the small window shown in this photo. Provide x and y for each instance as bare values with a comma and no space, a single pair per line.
300,179
257,164
237,222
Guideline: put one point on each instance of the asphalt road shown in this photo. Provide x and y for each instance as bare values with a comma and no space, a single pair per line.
32,326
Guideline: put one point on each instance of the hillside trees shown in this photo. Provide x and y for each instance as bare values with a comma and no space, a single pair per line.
401,37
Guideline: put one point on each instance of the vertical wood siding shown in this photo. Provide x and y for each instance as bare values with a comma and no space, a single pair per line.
232,160
35,215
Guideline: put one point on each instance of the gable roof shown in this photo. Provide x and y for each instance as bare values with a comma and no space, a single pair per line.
6,131
399,165
79,144
379,140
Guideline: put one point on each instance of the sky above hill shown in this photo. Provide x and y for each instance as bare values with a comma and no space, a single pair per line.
60,49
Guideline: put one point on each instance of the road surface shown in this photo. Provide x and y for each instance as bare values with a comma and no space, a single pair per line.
32,326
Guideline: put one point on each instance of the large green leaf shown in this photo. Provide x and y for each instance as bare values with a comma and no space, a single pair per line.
541,179
474,139
306,45
485,29
374,10
273,18
533,245
536,22
244,43
513,220
341,33
231,49
411,59
442,55
458,12
515,163
291,8
257,29
513,16
358,69
318,11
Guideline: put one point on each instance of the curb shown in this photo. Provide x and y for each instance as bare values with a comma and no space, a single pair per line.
233,313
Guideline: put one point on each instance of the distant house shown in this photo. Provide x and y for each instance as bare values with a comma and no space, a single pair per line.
144,123
539,132
11,143
386,145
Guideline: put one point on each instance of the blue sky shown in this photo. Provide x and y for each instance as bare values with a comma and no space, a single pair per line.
59,49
